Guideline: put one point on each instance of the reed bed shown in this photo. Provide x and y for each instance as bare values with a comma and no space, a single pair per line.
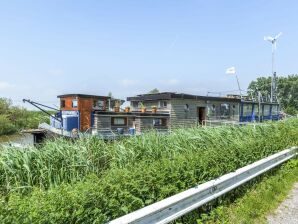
90,181
61,160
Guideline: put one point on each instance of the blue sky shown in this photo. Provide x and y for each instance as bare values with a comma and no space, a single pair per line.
130,47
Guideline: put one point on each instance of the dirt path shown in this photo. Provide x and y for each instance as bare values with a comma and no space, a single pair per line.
287,212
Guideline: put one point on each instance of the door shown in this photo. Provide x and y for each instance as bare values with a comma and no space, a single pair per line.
201,115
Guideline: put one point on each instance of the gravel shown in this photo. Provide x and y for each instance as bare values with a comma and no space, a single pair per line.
287,212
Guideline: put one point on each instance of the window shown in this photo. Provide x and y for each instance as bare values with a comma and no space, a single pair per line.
186,107
212,110
140,104
74,103
62,103
119,121
234,110
274,110
256,110
163,104
159,122
225,110
98,104
247,109
135,104
266,111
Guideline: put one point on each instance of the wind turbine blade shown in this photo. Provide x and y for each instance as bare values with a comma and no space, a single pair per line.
278,35
269,39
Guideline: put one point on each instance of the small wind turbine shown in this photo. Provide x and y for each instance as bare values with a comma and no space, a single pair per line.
273,40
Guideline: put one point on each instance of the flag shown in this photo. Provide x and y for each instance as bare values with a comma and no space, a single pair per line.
231,71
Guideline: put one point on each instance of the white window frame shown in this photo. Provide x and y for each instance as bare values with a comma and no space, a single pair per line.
74,103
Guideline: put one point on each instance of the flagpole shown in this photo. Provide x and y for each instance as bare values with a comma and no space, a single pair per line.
239,86
232,71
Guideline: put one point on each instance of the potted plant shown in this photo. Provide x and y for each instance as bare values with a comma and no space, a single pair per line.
154,109
117,106
143,108
127,109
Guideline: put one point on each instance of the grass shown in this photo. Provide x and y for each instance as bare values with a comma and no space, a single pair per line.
260,199
90,181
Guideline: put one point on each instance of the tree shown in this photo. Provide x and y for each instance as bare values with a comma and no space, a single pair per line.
110,94
287,91
153,91
5,105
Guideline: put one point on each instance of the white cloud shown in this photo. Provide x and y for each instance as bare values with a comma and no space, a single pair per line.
6,86
128,82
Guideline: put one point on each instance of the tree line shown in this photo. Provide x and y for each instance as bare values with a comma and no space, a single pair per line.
287,91
14,118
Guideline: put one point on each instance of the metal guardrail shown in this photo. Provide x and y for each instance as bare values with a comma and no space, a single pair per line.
180,204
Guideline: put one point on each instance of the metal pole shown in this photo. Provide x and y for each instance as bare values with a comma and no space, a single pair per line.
273,84
239,86
259,99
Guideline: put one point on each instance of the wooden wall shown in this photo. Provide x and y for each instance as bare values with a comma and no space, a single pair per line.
184,118
68,103
85,106
181,118
144,124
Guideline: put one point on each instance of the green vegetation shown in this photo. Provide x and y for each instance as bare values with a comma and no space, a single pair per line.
90,181
153,91
14,118
259,198
287,91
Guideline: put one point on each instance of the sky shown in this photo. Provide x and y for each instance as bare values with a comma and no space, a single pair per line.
129,47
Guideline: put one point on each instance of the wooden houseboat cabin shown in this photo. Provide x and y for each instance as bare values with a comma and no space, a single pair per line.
187,110
77,110
164,111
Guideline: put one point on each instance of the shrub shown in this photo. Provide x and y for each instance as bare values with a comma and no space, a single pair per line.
6,127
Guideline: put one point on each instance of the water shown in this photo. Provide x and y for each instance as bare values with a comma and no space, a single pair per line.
18,139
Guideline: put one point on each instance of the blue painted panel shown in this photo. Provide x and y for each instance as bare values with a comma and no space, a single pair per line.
92,119
70,122
275,117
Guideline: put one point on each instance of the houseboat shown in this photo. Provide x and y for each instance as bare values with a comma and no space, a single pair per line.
82,114
187,110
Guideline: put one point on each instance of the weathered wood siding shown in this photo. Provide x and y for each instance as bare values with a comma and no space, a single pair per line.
180,117
144,124
102,122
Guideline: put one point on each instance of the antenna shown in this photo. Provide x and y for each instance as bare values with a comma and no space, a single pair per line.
272,40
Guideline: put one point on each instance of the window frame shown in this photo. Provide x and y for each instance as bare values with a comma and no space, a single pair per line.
62,103
245,110
114,118
97,102
268,109
221,110
72,103
162,123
